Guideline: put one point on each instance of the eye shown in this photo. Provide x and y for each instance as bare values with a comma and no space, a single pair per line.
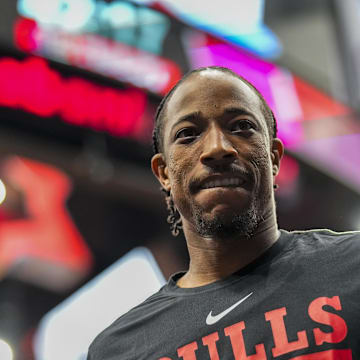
187,134
240,126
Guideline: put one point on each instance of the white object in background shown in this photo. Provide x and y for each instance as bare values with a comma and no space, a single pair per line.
2,192
5,351
67,330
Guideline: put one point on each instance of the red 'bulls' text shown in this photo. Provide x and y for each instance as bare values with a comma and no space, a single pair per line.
281,345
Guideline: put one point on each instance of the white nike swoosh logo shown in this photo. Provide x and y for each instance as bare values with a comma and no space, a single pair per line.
210,320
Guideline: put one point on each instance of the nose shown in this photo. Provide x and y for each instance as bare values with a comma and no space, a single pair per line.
217,149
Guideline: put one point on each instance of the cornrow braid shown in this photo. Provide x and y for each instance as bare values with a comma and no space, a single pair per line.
174,218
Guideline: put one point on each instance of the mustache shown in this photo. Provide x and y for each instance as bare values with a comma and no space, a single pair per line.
228,170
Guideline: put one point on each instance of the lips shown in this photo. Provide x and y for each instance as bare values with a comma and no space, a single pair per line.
232,179
222,182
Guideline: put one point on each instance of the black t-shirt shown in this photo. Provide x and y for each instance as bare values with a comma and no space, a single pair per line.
300,300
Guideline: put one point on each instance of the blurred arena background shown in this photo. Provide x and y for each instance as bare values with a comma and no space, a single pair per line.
82,219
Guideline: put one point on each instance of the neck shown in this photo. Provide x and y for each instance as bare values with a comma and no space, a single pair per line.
213,259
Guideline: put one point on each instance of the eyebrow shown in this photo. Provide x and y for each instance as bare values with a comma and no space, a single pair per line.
196,115
238,111
188,117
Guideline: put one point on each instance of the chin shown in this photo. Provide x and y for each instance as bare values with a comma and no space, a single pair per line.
227,224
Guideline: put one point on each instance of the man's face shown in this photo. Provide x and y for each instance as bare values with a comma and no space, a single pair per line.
218,161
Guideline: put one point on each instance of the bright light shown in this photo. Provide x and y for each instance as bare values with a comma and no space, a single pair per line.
137,275
2,195
5,351
120,14
72,15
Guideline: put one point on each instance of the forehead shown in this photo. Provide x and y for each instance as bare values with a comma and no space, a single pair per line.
212,90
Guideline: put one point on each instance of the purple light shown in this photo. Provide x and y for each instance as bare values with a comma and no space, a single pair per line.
338,156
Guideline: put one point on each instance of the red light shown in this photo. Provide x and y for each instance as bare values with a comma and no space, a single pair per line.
48,233
315,104
33,86
24,34
9,87
41,88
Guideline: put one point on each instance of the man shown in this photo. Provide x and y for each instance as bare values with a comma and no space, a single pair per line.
251,290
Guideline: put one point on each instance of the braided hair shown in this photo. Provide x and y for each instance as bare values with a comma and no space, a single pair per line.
174,218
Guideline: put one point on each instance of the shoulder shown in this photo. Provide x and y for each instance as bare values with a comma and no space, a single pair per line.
327,235
326,240
121,337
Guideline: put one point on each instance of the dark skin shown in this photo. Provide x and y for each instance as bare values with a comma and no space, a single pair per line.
215,130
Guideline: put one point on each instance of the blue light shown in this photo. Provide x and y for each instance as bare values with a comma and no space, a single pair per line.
262,42
71,15
75,14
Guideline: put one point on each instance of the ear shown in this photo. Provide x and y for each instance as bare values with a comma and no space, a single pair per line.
277,151
160,170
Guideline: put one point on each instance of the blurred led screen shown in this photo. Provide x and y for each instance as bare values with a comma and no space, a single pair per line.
117,39
242,26
74,100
